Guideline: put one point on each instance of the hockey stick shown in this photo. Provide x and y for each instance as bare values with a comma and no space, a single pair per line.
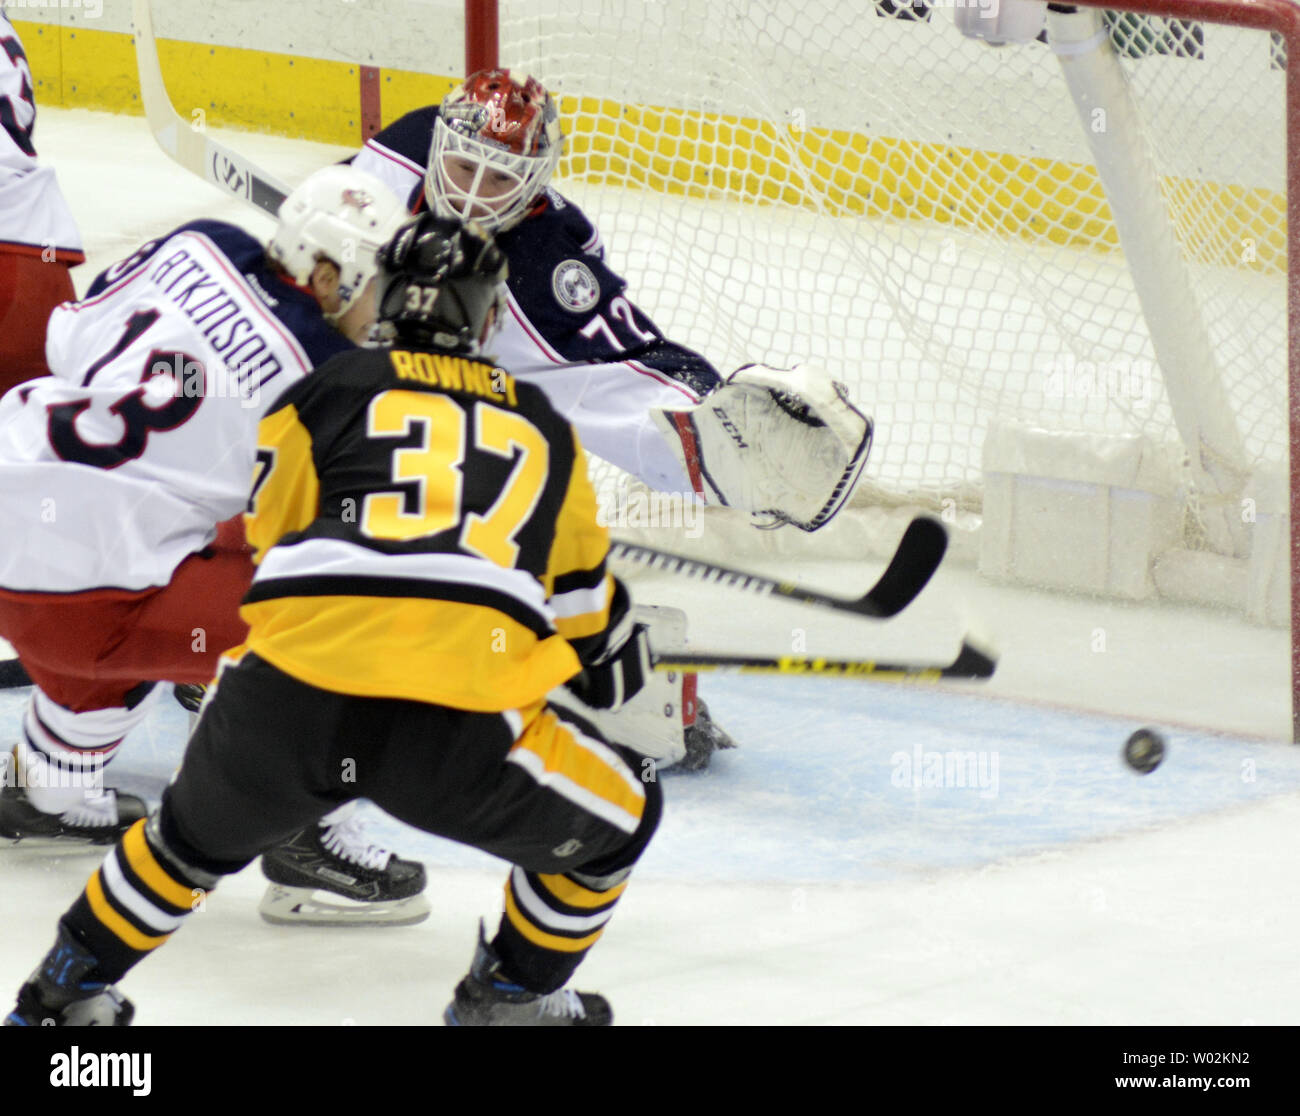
190,146
918,555
970,662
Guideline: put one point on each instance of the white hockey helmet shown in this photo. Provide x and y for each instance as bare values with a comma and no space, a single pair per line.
496,143
339,214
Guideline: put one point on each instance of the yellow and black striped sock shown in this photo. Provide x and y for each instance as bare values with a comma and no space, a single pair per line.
133,903
550,922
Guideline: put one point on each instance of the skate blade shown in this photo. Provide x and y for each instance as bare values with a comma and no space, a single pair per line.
50,842
302,906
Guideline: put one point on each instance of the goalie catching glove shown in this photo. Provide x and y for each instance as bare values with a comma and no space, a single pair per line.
785,445
615,670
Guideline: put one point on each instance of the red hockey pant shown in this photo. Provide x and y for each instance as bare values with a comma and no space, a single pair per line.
30,288
89,650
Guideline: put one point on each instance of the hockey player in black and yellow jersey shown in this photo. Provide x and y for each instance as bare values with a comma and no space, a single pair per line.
429,567
453,556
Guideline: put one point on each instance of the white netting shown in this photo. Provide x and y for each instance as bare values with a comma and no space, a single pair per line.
860,184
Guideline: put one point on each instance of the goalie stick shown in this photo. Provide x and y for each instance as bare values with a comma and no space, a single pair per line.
919,553
225,169
971,662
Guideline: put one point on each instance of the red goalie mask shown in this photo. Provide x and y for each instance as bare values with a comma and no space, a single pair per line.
495,145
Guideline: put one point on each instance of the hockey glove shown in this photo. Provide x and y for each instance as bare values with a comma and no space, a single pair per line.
612,681
785,445
616,661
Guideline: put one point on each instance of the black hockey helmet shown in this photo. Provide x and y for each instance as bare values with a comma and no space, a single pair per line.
439,282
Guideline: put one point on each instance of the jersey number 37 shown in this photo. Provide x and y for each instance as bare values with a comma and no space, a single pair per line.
435,466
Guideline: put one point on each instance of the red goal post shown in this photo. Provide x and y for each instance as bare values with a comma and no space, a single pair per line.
1281,17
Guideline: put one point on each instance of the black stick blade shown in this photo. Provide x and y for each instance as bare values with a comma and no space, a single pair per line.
971,662
919,553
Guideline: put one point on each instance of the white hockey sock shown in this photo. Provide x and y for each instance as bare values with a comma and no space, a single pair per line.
62,754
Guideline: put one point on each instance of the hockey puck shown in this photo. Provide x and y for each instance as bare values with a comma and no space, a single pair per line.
1144,750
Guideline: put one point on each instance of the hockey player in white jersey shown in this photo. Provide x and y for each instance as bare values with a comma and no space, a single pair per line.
39,241
785,445
124,474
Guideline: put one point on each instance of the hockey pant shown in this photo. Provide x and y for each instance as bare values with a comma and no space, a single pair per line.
271,754
95,657
30,288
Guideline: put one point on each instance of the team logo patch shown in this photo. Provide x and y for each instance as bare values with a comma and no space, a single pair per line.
575,286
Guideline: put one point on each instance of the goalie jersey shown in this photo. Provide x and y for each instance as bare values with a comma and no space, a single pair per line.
424,529
571,328
118,466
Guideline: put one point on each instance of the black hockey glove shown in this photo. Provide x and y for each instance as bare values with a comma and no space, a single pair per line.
616,661
610,683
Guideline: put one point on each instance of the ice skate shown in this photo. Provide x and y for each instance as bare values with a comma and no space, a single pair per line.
62,992
333,876
703,738
100,819
483,999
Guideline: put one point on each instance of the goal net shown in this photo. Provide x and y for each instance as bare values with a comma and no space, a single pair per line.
967,235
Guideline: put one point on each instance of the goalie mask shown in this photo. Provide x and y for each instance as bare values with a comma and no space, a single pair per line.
441,285
495,146
338,214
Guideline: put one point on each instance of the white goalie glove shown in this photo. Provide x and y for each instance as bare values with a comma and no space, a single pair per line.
783,444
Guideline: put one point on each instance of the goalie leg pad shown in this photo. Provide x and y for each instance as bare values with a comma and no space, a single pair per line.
652,723
665,720
785,445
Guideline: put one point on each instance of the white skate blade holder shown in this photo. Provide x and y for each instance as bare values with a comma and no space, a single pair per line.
305,906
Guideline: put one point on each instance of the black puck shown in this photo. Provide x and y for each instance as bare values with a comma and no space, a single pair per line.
1144,750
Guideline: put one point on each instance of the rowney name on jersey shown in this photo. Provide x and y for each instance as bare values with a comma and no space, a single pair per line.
456,374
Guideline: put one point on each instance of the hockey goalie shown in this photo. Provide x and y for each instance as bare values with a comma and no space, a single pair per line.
785,445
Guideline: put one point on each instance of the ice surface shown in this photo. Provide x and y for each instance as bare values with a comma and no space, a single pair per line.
808,877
